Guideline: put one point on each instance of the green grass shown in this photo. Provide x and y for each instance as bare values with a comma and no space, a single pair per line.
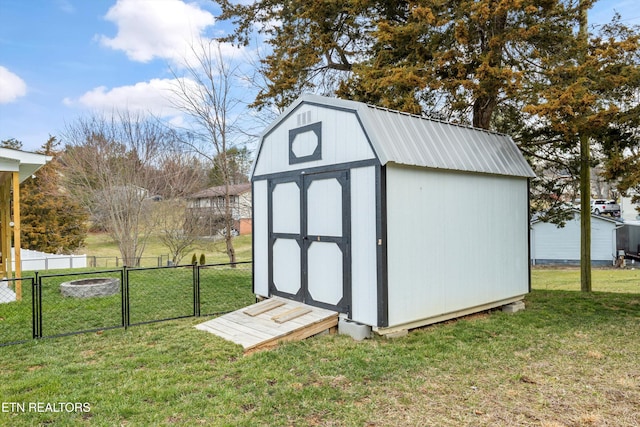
102,246
603,279
569,359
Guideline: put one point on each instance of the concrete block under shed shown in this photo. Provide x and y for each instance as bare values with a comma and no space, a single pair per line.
355,330
514,307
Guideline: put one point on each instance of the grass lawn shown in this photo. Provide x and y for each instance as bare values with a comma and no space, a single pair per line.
569,359
102,246
602,279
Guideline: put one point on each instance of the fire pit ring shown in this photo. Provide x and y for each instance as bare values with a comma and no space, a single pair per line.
88,288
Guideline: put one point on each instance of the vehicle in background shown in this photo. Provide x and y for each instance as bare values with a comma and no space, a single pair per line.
601,207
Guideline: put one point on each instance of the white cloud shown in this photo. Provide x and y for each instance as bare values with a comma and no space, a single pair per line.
153,97
149,29
65,6
12,87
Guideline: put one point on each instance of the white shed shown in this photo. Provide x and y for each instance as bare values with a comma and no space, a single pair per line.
551,244
394,220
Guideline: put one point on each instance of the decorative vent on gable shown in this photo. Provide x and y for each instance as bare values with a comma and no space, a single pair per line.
303,118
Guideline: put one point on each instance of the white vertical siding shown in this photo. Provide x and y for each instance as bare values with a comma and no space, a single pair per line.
552,243
260,238
364,295
343,140
455,241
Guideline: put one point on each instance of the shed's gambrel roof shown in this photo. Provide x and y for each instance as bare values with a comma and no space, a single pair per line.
412,140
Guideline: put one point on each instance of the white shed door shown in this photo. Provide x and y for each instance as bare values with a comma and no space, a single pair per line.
309,239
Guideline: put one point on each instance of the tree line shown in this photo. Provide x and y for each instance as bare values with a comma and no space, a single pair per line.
130,189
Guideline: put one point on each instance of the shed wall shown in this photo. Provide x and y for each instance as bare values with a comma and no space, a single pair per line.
455,241
364,246
551,243
260,239
343,140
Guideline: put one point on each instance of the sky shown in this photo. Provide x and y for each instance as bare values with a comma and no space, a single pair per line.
65,59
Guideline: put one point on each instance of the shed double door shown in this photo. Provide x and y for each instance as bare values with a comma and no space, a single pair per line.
309,229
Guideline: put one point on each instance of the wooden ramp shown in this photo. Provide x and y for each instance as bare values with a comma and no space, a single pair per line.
265,324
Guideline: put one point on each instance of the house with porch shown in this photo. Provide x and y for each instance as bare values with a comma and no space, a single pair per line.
208,207
15,167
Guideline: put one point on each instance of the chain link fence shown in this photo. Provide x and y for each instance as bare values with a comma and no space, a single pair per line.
16,316
160,293
69,303
223,287
75,302
117,262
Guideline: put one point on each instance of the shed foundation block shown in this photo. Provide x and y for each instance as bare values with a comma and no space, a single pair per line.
514,307
355,330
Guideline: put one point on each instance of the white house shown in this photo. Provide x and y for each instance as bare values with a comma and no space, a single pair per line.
551,244
391,219
209,206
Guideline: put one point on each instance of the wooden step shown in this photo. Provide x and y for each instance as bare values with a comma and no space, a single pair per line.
291,314
263,307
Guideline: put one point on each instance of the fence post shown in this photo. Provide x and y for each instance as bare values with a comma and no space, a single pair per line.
196,290
124,281
34,306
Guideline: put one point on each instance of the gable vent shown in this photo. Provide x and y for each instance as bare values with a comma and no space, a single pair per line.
303,118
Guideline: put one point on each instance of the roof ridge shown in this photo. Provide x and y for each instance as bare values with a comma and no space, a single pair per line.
433,119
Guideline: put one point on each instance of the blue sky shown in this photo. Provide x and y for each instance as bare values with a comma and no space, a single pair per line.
61,59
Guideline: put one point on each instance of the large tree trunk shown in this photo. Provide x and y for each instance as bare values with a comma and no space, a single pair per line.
228,236
483,108
585,176
585,215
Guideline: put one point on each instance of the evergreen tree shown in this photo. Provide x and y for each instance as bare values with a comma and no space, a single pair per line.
238,163
12,143
461,59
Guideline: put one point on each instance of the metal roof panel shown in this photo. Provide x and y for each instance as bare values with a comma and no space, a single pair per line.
408,139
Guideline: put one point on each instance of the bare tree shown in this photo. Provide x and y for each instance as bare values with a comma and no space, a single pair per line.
111,166
204,94
178,231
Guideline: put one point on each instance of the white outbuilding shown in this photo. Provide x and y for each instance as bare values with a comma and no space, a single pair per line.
394,220
551,244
